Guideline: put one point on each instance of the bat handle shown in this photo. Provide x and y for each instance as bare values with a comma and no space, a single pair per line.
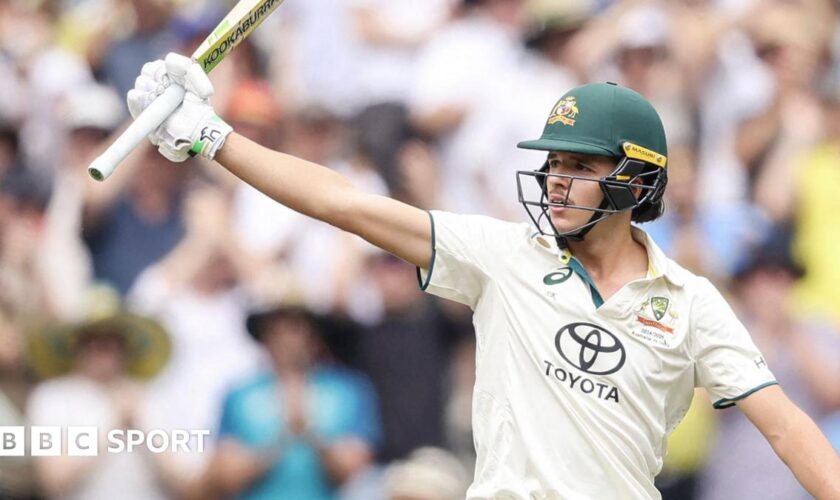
150,119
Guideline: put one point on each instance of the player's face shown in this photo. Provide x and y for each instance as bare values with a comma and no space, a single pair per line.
579,192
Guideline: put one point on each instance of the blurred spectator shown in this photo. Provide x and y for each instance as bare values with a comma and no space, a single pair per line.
803,193
643,61
786,40
465,112
428,474
417,178
13,108
199,291
802,355
9,151
49,72
254,111
555,28
151,39
406,351
388,35
301,430
17,477
308,68
22,283
89,115
270,230
14,379
134,219
97,365
489,34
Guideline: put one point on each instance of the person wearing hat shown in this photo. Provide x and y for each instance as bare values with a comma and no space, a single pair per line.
305,428
94,372
590,341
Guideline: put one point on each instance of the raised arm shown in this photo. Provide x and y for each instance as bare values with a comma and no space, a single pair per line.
323,194
796,439
303,186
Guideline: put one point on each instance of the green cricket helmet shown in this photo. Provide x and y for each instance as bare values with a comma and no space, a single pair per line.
608,120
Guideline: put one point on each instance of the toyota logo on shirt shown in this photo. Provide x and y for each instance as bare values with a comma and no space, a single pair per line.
590,348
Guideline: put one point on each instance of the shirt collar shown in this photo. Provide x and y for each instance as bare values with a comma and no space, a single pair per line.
659,266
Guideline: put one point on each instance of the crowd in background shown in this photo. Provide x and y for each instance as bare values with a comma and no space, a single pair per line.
176,297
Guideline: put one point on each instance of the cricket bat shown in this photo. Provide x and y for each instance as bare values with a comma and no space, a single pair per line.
237,25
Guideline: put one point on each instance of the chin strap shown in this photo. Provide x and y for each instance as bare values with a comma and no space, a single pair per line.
581,233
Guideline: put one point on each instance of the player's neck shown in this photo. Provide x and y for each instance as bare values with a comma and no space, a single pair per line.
610,253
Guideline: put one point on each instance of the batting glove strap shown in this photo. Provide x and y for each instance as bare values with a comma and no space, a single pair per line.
211,138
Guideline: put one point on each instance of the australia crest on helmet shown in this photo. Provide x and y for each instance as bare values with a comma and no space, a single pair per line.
564,111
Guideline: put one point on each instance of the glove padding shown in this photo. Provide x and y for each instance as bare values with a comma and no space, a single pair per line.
193,128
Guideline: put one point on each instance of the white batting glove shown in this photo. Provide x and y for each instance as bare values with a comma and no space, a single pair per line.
193,128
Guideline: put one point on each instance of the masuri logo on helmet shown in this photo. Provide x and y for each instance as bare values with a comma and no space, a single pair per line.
616,122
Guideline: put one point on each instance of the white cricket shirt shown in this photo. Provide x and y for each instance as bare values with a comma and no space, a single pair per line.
574,401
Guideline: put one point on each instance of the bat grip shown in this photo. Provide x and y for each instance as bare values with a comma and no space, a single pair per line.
150,119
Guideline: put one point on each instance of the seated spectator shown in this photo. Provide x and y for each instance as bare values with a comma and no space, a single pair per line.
301,430
97,366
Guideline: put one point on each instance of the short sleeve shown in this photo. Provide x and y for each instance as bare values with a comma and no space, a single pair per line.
727,362
465,248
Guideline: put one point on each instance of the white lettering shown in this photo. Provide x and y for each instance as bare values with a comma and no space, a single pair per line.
115,441
163,438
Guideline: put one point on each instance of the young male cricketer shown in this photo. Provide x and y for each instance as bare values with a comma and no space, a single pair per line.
590,341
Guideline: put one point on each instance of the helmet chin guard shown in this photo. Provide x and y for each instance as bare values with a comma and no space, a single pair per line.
634,183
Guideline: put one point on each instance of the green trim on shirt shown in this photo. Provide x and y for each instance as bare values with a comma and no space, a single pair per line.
727,402
425,284
578,268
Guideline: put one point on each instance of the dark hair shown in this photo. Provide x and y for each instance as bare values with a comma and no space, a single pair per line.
647,212
650,211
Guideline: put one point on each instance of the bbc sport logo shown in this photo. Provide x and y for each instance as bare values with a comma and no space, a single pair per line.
83,441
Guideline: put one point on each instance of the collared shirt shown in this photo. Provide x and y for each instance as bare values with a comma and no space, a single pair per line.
574,398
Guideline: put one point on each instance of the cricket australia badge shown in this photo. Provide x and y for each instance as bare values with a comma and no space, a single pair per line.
654,322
